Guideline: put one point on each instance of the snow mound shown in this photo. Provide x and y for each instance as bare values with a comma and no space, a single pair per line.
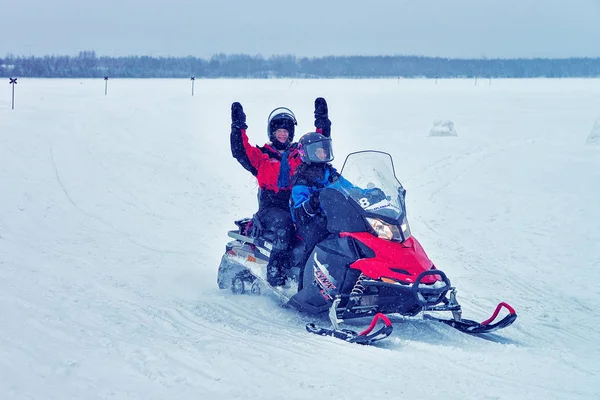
594,137
443,128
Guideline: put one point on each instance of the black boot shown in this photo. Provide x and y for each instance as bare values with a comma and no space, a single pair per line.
276,269
275,277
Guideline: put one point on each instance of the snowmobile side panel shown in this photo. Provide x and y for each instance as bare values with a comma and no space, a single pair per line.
326,273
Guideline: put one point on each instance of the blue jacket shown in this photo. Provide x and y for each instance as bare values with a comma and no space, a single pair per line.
311,178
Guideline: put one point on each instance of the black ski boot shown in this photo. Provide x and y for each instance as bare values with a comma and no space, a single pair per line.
276,269
275,277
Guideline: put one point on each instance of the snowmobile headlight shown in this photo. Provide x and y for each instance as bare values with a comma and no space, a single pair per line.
385,231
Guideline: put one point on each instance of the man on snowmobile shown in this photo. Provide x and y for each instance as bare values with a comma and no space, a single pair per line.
273,165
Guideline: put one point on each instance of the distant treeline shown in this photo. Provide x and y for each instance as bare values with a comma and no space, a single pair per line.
88,65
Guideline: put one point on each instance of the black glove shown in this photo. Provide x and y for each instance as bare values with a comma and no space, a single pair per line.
238,118
314,205
322,115
321,108
256,227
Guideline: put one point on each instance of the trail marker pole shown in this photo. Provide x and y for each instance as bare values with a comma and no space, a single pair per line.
13,82
193,79
105,85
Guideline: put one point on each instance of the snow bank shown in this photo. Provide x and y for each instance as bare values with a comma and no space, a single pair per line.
443,128
594,137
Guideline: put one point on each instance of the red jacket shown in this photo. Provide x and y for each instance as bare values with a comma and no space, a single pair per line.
266,164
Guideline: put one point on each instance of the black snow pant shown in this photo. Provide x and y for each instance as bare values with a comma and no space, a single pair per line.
311,231
277,227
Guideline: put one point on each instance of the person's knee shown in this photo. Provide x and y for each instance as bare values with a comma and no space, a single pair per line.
283,239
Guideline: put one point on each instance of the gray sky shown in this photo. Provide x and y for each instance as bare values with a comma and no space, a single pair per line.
201,28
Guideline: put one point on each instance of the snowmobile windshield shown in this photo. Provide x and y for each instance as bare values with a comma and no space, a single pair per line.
369,179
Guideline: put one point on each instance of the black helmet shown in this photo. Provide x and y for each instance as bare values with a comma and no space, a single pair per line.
281,118
315,148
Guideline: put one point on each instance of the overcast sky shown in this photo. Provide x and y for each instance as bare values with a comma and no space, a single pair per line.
201,28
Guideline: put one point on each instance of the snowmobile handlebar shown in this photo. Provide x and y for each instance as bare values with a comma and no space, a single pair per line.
431,295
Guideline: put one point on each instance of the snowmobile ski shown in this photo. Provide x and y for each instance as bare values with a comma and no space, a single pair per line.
365,337
474,327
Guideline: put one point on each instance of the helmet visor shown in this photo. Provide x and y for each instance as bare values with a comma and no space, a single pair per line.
282,112
319,152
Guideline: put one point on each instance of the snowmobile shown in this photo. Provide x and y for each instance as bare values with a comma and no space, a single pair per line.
369,266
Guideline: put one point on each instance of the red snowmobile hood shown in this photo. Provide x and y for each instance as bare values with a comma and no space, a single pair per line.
400,261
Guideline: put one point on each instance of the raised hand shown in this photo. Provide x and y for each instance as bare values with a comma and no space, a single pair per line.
321,108
322,116
238,117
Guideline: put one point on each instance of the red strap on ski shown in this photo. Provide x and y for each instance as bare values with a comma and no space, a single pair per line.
498,308
376,318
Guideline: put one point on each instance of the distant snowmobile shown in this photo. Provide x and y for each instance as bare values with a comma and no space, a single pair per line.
369,265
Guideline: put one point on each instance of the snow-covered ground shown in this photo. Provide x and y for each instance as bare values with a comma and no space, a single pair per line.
113,218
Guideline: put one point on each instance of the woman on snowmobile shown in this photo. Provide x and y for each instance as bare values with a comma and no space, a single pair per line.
273,165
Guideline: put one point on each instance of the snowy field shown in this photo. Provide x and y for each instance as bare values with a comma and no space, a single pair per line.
113,218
